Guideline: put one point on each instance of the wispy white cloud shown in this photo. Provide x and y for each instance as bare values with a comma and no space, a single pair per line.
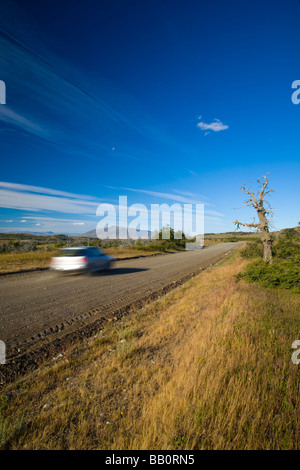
56,221
34,198
190,195
173,197
178,198
184,193
61,105
215,126
192,172
43,205
39,189
50,85
192,199
57,224
11,117
52,219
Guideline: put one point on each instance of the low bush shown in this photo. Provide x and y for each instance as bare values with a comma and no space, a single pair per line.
287,250
283,273
253,250
18,246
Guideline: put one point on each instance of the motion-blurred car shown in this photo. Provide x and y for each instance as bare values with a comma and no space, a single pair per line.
82,259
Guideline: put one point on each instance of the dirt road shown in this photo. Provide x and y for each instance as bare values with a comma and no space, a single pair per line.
39,307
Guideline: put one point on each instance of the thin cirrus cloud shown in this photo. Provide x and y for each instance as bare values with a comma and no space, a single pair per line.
215,126
180,197
45,203
58,223
11,117
173,197
50,92
45,219
34,198
54,101
38,199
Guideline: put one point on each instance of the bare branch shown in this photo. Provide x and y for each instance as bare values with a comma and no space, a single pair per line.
246,225
258,204
247,203
269,191
267,202
262,191
271,211
252,199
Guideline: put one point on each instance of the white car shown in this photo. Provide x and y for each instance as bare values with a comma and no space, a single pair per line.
81,259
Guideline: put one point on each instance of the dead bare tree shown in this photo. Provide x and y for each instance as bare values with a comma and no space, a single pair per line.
258,203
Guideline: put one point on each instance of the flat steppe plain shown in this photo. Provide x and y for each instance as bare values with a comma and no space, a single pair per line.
39,307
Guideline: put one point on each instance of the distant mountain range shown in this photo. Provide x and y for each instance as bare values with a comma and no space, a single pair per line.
121,233
144,234
30,233
37,234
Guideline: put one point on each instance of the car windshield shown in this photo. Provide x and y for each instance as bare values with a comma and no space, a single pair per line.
75,252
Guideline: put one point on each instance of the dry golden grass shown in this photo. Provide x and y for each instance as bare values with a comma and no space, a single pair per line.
206,367
10,262
121,253
13,262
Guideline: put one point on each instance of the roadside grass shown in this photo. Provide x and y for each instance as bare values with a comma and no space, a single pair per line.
284,272
41,257
10,262
120,253
13,262
208,366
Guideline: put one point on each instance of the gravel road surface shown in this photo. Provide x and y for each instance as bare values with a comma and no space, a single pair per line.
42,305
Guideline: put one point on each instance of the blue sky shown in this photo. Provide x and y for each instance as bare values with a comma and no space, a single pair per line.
162,102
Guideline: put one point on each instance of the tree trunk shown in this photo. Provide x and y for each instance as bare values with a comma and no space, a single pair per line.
263,225
266,236
267,244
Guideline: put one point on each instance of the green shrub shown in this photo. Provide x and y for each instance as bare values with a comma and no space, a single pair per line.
286,249
253,250
284,274
162,245
11,246
290,233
